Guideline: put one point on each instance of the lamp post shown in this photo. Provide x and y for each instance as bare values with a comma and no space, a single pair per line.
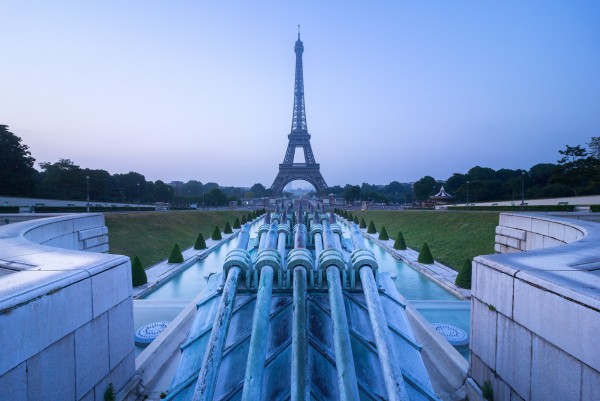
522,190
467,194
138,191
87,181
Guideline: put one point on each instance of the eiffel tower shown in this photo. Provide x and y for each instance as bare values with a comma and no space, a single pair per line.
298,138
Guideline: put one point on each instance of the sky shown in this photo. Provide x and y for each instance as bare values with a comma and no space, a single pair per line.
394,90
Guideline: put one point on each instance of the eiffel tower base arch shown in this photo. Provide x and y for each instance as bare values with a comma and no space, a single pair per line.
289,173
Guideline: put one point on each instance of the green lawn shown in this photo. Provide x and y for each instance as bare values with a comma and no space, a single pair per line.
452,236
151,235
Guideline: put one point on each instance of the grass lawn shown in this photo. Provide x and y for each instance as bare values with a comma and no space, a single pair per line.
452,236
151,235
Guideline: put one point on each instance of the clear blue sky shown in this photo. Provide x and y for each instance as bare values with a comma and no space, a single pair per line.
395,90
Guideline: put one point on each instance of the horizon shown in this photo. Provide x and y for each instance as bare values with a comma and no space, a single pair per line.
184,92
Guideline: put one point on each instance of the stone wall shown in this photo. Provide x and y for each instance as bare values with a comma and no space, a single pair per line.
66,319
536,314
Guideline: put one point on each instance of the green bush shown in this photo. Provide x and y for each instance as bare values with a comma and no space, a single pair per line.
400,243
176,255
383,235
109,393
227,229
216,235
9,209
594,208
355,220
425,256
463,279
363,224
350,217
244,221
138,274
236,223
371,229
200,242
487,391
249,218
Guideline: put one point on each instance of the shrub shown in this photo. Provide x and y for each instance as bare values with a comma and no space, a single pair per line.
138,275
371,229
109,393
362,223
400,243
463,279
487,391
350,217
227,229
594,208
355,220
175,256
383,235
244,221
236,223
200,242
425,256
216,235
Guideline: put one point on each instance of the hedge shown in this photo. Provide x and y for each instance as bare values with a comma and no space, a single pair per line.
400,243
176,256
526,208
463,280
9,209
138,275
83,209
425,255
595,208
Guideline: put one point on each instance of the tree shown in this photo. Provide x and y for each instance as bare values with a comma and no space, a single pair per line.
138,274
400,243
215,197
355,220
463,279
244,220
594,147
371,229
577,167
383,235
216,235
424,187
200,242
258,190
362,224
17,175
351,193
62,180
176,256
236,223
227,229
425,256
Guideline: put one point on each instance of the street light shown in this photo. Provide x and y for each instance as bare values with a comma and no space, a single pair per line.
138,189
467,195
522,190
87,180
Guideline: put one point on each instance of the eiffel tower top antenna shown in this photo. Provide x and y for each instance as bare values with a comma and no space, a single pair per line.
298,32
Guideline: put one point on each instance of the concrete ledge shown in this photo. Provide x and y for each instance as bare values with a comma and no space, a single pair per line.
536,314
65,315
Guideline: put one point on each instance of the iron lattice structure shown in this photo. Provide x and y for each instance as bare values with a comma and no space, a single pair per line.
298,138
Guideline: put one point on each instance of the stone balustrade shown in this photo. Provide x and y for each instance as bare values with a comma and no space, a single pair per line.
536,310
66,321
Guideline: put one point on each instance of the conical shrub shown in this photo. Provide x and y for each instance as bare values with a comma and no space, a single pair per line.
425,256
227,229
236,223
138,274
463,279
350,217
176,256
355,220
383,235
244,221
371,229
400,243
216,235
200,243
362,223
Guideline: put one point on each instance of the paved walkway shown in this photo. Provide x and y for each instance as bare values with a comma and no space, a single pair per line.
440,273
163,270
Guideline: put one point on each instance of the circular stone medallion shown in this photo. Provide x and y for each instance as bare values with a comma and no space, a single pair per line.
145,334
453,334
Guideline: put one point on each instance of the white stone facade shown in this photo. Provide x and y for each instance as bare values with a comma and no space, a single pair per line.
66,317
536,315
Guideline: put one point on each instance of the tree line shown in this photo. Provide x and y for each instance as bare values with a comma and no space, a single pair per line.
577,172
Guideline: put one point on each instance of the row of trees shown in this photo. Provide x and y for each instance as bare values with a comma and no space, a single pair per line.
577,172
